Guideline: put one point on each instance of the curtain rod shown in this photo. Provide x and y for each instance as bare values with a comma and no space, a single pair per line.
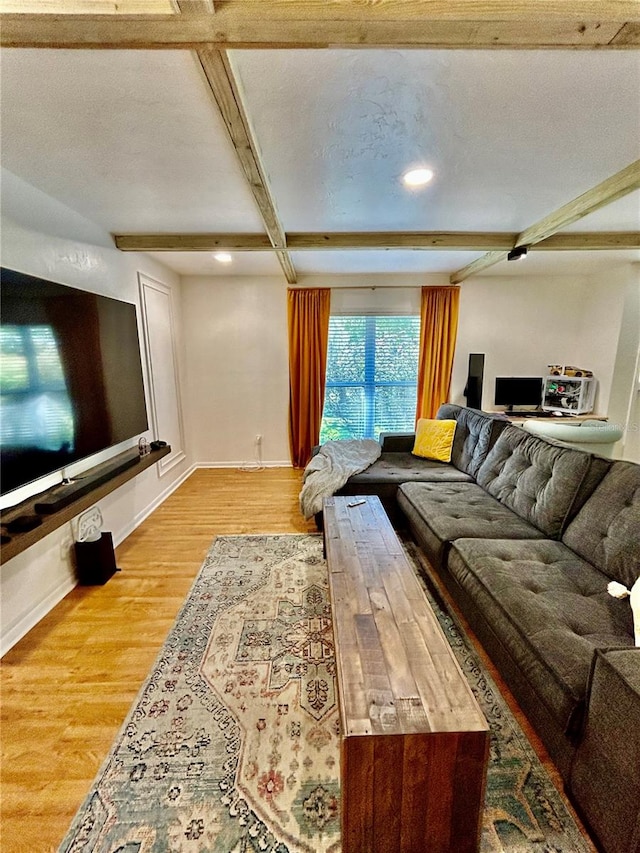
373,286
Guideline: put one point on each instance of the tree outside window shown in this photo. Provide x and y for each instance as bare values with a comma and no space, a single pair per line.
372,372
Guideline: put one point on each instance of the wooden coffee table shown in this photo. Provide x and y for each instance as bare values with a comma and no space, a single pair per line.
414,743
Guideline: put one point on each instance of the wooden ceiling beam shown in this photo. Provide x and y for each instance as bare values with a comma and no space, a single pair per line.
194,7
622,183
575,241
222,84
625,181
87,7
383,240
420,240
529,24
483,263
193,242
220,80
387,10
437,10
628,35
472,241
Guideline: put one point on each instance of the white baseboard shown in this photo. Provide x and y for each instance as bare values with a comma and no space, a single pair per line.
245,464
122,534
137,520
31,619
40,610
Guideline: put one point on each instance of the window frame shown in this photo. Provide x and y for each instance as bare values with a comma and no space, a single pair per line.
369,384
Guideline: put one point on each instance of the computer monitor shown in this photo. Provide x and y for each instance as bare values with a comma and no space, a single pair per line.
518,391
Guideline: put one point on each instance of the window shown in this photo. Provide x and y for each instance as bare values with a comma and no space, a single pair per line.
36,409
372,372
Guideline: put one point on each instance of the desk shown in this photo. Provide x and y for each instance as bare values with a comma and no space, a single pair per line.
561,419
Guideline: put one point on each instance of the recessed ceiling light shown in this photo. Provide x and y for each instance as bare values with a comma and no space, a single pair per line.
417,177
223,257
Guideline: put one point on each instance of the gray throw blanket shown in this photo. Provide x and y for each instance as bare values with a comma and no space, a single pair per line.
331,467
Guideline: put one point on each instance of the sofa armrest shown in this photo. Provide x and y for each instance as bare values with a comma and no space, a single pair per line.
397,442
605,776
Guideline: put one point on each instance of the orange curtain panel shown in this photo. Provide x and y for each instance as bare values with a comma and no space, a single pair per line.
308,312
438,330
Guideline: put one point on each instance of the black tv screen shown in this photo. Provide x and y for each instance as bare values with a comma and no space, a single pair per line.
71,381
518,391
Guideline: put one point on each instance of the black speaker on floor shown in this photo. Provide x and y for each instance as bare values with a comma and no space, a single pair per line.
473,388
95,561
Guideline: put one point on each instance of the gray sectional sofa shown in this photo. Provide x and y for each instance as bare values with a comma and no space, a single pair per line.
526,534
476,433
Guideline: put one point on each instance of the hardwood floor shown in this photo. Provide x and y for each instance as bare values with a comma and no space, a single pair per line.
67,685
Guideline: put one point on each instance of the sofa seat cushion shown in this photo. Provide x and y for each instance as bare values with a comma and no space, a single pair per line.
535,478
383,477
549,609
606,531
439,513
396,468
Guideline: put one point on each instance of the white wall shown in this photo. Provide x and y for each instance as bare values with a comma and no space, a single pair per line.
237,356
236,348
236,368
601,316
34,581
631,446
524,324
624,399
237,360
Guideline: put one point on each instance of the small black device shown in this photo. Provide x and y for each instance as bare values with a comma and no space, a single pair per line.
95,560
66,494
473,388
157,445
517,253
23,523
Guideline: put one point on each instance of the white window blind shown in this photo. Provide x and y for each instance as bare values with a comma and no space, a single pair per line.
372,371
36,409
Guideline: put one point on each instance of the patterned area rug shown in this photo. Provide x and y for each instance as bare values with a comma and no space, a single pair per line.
233,747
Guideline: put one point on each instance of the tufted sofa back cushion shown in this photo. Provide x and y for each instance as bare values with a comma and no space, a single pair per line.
476,433
606,531
536,479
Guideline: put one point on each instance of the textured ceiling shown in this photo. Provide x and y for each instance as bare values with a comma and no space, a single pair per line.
511,136
134,142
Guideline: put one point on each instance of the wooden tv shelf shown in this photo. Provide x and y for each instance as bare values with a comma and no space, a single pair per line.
20,541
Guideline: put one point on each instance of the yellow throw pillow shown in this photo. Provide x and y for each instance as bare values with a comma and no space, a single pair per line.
434,439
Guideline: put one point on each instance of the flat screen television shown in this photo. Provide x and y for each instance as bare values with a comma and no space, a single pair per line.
71,382
518,391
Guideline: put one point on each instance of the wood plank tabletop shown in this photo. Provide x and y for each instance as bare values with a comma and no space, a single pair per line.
397,673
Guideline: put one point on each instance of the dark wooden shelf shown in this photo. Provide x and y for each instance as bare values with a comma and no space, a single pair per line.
21,541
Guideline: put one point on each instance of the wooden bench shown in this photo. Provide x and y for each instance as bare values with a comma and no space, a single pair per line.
414,743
